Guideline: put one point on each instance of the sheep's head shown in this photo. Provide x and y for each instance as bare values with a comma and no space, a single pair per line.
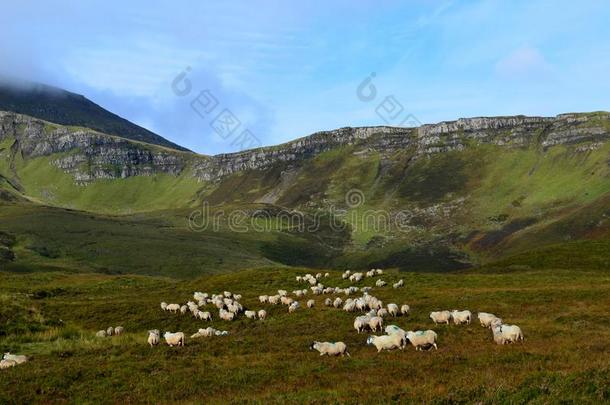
369,340
314,345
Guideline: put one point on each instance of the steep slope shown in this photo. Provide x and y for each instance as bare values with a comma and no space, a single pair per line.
439,197
66,108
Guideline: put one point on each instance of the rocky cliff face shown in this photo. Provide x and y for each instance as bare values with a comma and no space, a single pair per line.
90,155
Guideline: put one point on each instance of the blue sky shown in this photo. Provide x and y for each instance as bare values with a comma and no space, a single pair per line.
287,69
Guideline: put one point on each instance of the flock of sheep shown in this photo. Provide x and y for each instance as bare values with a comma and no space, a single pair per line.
229,308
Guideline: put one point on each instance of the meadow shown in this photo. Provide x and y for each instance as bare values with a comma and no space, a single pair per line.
53,317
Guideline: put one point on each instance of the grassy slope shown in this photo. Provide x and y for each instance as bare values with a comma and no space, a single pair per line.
53,317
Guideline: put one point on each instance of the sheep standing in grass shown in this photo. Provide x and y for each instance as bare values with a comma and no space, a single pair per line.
119,330
399,284
361,323
338,302
506,333
173,308
17,358
422,339
164,306
262,314
250,314
100,333
376,322
405,309
110,331
174,339
154,337
274,299
395,330
386,342
328,302
380,283
183,309
461,317
311,303
440,317
263,299
7,363
393,309
330,349
293,307
486,319
382,312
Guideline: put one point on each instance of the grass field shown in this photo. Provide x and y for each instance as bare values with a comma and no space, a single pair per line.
52,317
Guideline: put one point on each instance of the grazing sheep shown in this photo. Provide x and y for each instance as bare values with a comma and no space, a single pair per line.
237,297
110,331
173,307
338,302
250,314
293,307
17,358
205,315
393,309
376,322
227,294
380,283
326,275
440,317
174,339
100,333
460,317
379,272
405,309
119,330
330,348
382,312
4,364
395,330
349,306
422,339
262,314
226,315
153,337
486,319
274,299
328,302
282,293
311,303
386,342
183,309
164,306
361,323
263,299
286,300
507,333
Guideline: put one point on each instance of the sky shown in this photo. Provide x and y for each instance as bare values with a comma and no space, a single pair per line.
212,75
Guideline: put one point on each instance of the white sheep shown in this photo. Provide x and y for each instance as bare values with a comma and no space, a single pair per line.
110,331
405,309
440,317
262,314
386,342
173,307
395,330
328,302
227,294
100,333
379,272
361,323
422,339
382,312
380,283
274,299
17,358
311,303
326,275
460,317
250,314
293,307
153,337
330,349
237,297
393,309
486,319
164,306
282,293
174,339
7,363
118,330
398,284
376,322
337,302
507,333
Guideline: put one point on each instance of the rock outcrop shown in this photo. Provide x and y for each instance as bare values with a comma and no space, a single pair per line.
89,155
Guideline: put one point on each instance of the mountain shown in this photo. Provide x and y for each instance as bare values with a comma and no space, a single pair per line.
511,191
66,108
